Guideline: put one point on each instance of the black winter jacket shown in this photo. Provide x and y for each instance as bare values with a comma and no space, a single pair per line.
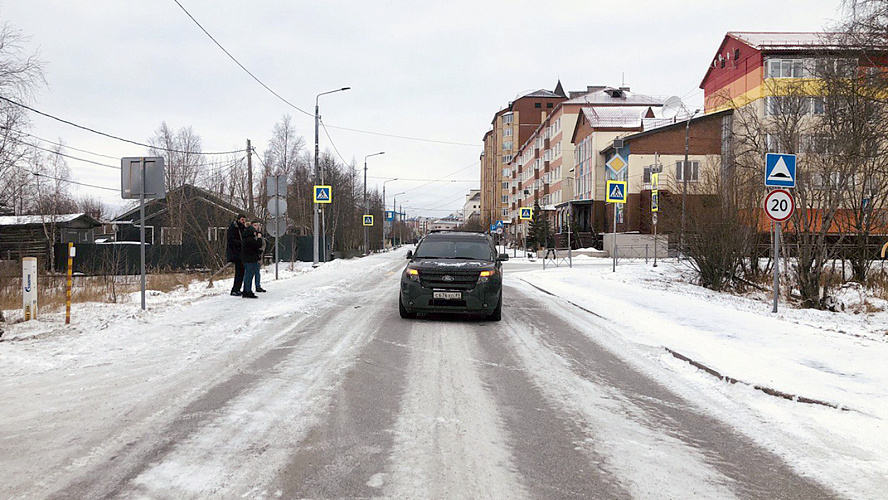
235,237
252,246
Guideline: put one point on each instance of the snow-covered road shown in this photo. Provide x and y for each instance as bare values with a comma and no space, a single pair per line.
320,390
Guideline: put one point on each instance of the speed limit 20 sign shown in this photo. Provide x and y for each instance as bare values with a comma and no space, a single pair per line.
779,205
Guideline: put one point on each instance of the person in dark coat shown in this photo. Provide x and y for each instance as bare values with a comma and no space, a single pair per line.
257,226
251,251
235,238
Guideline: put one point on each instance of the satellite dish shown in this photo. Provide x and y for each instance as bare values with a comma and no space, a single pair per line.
671,107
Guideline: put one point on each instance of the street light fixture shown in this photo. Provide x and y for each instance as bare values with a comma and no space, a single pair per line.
319,178
367,207
383,209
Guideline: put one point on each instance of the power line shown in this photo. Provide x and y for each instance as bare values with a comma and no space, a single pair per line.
430,181
66,180
297,108
75,182
69,156
331,142
66,146
404,137
66,122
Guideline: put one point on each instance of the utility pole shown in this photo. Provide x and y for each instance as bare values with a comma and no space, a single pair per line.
250,174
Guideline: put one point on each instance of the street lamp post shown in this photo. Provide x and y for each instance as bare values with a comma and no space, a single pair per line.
395,211
367,207
384,209
319,177
684,182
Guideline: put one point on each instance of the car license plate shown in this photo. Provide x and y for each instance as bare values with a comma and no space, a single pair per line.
447,295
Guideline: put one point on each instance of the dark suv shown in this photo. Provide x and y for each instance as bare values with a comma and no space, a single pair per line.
453,272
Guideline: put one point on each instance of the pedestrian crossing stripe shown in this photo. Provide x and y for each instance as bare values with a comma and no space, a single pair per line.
616,191
368,220
323,194
525,214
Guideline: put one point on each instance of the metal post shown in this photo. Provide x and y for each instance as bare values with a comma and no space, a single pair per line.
684,186
655,245
277,210
384,225
142,228
70,283
250,175
776,263
615,238
366,209
316,178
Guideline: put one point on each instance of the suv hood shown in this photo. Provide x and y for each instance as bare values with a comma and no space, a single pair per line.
451,264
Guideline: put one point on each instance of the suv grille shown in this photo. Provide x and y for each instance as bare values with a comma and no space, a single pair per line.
452,280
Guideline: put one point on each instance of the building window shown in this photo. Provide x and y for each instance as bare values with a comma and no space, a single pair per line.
549,105
170,236
506,173
692,168
507,119
507,146
787,68
537,105
216,233
507,158
505,198
507,132
505,212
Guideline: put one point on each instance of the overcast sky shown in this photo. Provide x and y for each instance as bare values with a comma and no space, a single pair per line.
431,70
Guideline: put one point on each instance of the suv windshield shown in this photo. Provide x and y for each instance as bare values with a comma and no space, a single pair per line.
454,249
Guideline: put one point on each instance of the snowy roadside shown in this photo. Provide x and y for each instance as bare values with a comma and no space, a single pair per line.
836,358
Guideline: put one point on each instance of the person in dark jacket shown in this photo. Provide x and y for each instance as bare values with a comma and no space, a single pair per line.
257,226
251,251
235,238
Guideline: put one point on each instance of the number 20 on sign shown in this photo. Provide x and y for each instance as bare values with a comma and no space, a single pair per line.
779,205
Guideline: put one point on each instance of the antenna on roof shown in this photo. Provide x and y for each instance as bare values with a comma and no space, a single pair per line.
671,107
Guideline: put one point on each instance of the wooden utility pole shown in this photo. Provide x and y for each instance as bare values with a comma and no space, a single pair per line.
250,174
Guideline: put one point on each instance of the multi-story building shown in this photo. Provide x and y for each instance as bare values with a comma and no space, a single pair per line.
472,206
543,171
510,127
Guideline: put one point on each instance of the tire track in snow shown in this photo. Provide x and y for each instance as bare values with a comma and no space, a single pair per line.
449,441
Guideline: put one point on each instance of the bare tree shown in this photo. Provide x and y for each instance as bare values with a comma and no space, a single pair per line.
21,74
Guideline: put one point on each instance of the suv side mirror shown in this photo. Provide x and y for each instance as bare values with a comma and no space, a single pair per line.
502,257
409,254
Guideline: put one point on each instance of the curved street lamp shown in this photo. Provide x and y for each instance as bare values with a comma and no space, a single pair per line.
367,207
319,178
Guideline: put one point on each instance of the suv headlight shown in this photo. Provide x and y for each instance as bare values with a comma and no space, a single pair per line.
485,275
411,273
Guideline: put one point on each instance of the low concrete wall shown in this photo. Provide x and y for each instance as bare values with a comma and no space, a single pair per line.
636,246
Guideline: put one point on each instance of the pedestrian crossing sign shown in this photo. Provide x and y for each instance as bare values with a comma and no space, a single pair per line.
368,220
617,191
525,213
323,194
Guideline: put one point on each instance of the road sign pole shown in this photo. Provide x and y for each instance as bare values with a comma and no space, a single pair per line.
655,242
277,210
142,228
776,263
615,238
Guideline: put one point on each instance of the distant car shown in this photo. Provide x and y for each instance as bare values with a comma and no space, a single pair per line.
453,272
